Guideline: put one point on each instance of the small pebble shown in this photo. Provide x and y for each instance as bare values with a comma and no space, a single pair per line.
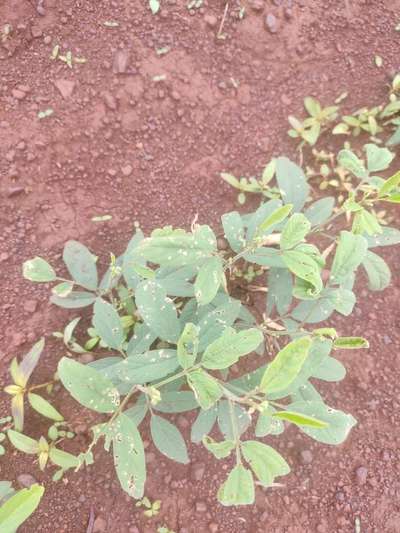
26,480
361,475
211,20
306,457
271,23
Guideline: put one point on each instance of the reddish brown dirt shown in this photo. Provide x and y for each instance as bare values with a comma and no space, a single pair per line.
125,145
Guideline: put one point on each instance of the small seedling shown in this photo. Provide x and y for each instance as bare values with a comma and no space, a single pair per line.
151,508
154,5
310,129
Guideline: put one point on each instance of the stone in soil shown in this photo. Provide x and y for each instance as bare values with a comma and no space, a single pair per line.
26,480
361,475
271,23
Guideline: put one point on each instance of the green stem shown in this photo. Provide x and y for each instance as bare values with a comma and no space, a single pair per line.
235,432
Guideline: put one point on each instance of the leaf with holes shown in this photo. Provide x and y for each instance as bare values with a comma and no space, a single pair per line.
208,280
108,324
225,351
87,386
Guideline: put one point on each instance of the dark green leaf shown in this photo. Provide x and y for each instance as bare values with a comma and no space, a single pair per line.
108,324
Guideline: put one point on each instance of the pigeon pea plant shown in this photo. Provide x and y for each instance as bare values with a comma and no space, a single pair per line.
170,332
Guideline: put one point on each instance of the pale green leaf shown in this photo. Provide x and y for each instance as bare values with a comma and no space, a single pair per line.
241,419
348,160
63,459
265,462
226,350
294,231
378,158
108,324
203,424
88,386
205,388
158,310
234,230
168,439
22,442
350,343
350,252
220,450
19,507
280,286
188,345
286,365
30,360
37,269
378,271
300,420
238,489
43,407
74,300
81,264
319,212
208,280
292,183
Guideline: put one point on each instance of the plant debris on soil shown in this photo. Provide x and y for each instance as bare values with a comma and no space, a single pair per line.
142,136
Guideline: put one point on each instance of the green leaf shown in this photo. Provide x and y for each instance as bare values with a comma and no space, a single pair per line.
238,489
286,365
365,222
292,183
330,369
300,420
342,300
208,280
176,402
81,264
241,419
87,386
69,330
265,462
226,350
394,140
213,324
389,185
259,216
378,158
205,388
280,286
388,237
319,212
266,425
178,248
17,411
220,450
176,280
350,252
350,343
31,359
144,368
377,270
188,345
157,310
294,231
203,424
129,458
64,289
37,269
141,339
74,300
274,218
19,507
108,324
234,230
154,6
348,160
22,442
304,267
43,407
339,423
168,439
63,459
312,106
6,490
